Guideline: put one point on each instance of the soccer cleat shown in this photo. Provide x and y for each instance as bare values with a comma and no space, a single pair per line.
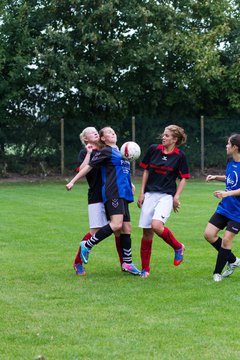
231,267
178,258
217,277
84,252
79,269
144,274
131,268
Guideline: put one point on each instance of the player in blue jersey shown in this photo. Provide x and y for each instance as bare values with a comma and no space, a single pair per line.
227,215
96,210
117,193
159,194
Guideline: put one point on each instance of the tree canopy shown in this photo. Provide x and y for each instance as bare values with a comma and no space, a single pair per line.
101,62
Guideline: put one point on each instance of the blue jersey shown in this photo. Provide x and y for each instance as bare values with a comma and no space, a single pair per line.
116,178
230,206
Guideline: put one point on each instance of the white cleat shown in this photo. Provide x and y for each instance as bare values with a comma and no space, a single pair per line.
231,267
217,277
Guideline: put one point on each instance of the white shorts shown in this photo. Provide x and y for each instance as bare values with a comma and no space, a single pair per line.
156,206
97,215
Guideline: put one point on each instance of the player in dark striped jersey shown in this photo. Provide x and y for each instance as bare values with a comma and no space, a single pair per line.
96,210
163,164
227,215
117,192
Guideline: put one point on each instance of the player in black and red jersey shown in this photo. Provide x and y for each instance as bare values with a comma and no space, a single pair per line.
96,210
117,193
159,194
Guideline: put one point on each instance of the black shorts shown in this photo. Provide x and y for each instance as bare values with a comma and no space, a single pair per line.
221,222
117,207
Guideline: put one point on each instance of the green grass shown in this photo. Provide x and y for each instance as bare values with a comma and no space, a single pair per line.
47,312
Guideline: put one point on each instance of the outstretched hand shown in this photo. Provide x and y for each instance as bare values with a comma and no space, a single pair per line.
211,177
69,186
220,194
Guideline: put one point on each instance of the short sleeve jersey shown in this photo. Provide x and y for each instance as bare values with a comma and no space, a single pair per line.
164,169
93,178
116,177
230,206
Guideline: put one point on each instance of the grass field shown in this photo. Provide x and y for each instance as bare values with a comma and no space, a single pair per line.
47,312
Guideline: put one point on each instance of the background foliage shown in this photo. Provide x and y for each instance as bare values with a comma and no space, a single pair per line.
101,62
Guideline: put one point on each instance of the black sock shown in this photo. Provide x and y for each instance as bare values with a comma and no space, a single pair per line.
125,243
222,259
217,245
100,235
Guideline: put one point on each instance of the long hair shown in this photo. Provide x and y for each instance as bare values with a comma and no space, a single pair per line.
177,132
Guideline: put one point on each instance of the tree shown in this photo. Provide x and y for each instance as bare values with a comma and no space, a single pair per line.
100,62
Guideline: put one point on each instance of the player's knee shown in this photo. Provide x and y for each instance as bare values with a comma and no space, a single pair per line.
116,226
208,236
227,242
127,228
157,227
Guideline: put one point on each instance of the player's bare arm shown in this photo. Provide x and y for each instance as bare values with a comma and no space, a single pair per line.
133,188
144,181
89,149
216,177
222,194
79,175
176,198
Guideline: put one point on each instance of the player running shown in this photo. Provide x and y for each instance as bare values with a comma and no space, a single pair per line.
117,192
96,210
162,165
227,215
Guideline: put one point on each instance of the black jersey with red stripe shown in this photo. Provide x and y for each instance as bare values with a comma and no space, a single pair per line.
164,169
94,179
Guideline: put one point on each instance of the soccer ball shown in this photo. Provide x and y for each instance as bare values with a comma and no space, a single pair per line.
130,150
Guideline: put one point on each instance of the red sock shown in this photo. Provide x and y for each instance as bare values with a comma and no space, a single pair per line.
119,250
78,259
145,252
168,237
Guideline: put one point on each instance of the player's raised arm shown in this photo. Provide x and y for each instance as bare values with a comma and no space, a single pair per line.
79,175
89,149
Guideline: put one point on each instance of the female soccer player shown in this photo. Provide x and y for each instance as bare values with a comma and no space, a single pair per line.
227,215
162,165
117,192
96,210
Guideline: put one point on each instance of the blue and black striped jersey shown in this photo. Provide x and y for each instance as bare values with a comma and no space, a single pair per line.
116,177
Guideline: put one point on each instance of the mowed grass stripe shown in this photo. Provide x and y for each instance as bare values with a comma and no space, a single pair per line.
178,312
